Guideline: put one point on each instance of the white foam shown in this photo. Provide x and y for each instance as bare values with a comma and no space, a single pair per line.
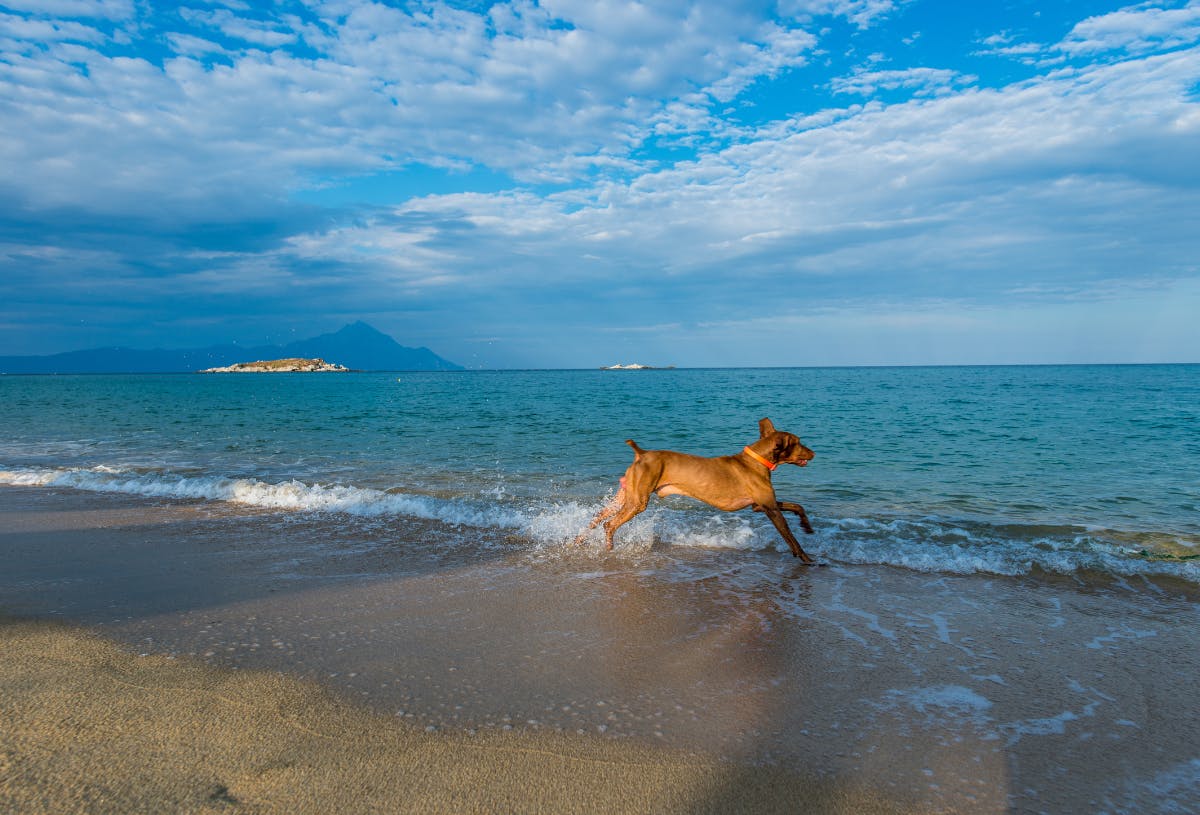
288,495
928,545
944,697
931,545
941,703
1045,726
1173,791
28,478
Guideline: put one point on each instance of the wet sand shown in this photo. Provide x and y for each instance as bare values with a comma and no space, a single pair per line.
90,727
319,663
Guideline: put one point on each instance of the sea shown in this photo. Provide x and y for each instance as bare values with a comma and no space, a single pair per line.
1067,470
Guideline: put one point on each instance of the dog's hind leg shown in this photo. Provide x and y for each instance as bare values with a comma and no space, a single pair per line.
610,509
627,511
607,511
634,499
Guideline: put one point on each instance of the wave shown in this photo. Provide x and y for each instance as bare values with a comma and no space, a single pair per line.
929,544
945,545
287,495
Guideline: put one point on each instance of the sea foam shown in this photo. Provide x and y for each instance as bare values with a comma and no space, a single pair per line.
930,544
287,495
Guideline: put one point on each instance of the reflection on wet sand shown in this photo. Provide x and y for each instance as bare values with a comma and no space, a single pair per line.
706,663
735,663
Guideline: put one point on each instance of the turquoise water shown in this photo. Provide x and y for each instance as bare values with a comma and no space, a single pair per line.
1002,470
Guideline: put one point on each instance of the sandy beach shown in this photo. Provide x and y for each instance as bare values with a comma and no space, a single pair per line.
91,727
188,656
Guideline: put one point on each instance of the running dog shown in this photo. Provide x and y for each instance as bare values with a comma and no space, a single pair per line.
728,483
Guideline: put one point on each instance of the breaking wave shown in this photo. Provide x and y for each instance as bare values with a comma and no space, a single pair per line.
287,495
929,544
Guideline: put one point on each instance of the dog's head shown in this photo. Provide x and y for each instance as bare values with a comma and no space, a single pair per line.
781,447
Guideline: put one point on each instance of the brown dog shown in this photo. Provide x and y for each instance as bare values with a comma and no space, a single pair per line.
728,482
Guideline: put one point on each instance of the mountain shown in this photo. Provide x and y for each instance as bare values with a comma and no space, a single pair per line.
364,348
357,346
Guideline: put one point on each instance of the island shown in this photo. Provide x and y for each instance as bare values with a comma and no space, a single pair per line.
634,367
271,366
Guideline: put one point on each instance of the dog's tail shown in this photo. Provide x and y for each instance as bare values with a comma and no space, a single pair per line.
637,451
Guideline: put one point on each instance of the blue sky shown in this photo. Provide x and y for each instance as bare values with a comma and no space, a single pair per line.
574,183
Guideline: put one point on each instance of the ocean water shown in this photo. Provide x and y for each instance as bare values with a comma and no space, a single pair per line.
996,470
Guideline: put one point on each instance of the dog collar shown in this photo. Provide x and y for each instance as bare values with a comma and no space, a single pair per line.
759,458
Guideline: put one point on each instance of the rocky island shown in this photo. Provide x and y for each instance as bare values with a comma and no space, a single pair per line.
290,365
634,367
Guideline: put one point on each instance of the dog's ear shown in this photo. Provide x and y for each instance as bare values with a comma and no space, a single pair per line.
765,428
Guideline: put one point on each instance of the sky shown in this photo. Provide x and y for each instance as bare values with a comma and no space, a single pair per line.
575,183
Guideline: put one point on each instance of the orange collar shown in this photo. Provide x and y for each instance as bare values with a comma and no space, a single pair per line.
759,458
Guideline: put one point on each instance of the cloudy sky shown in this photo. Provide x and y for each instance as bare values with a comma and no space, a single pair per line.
571,183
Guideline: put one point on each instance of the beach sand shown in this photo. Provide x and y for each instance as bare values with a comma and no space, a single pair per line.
175,656
91,727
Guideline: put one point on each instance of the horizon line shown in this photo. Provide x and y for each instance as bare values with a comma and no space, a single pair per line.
810,366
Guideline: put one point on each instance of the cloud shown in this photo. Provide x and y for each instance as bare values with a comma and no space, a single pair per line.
269,34
860,12
249,107
922,81
1039,192
1005,44
21,30
1135,30
89,9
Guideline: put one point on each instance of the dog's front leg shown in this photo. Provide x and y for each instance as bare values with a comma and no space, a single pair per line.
792,506
773,512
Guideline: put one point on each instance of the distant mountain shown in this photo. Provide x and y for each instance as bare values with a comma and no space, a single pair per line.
360,346
357,346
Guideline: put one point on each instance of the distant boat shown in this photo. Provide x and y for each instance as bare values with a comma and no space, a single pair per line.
634,367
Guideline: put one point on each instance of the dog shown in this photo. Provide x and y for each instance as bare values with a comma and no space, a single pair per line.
728,483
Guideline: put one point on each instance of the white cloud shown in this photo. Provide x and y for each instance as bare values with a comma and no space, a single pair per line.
546,92
266,34
861,12
187,45
24,30
923,81
91,9
1137,29
1062,182
1005,44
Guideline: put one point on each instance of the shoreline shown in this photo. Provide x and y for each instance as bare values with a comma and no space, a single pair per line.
872,686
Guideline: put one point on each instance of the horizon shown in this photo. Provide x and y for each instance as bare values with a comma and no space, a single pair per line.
566,185
677,368
608,366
